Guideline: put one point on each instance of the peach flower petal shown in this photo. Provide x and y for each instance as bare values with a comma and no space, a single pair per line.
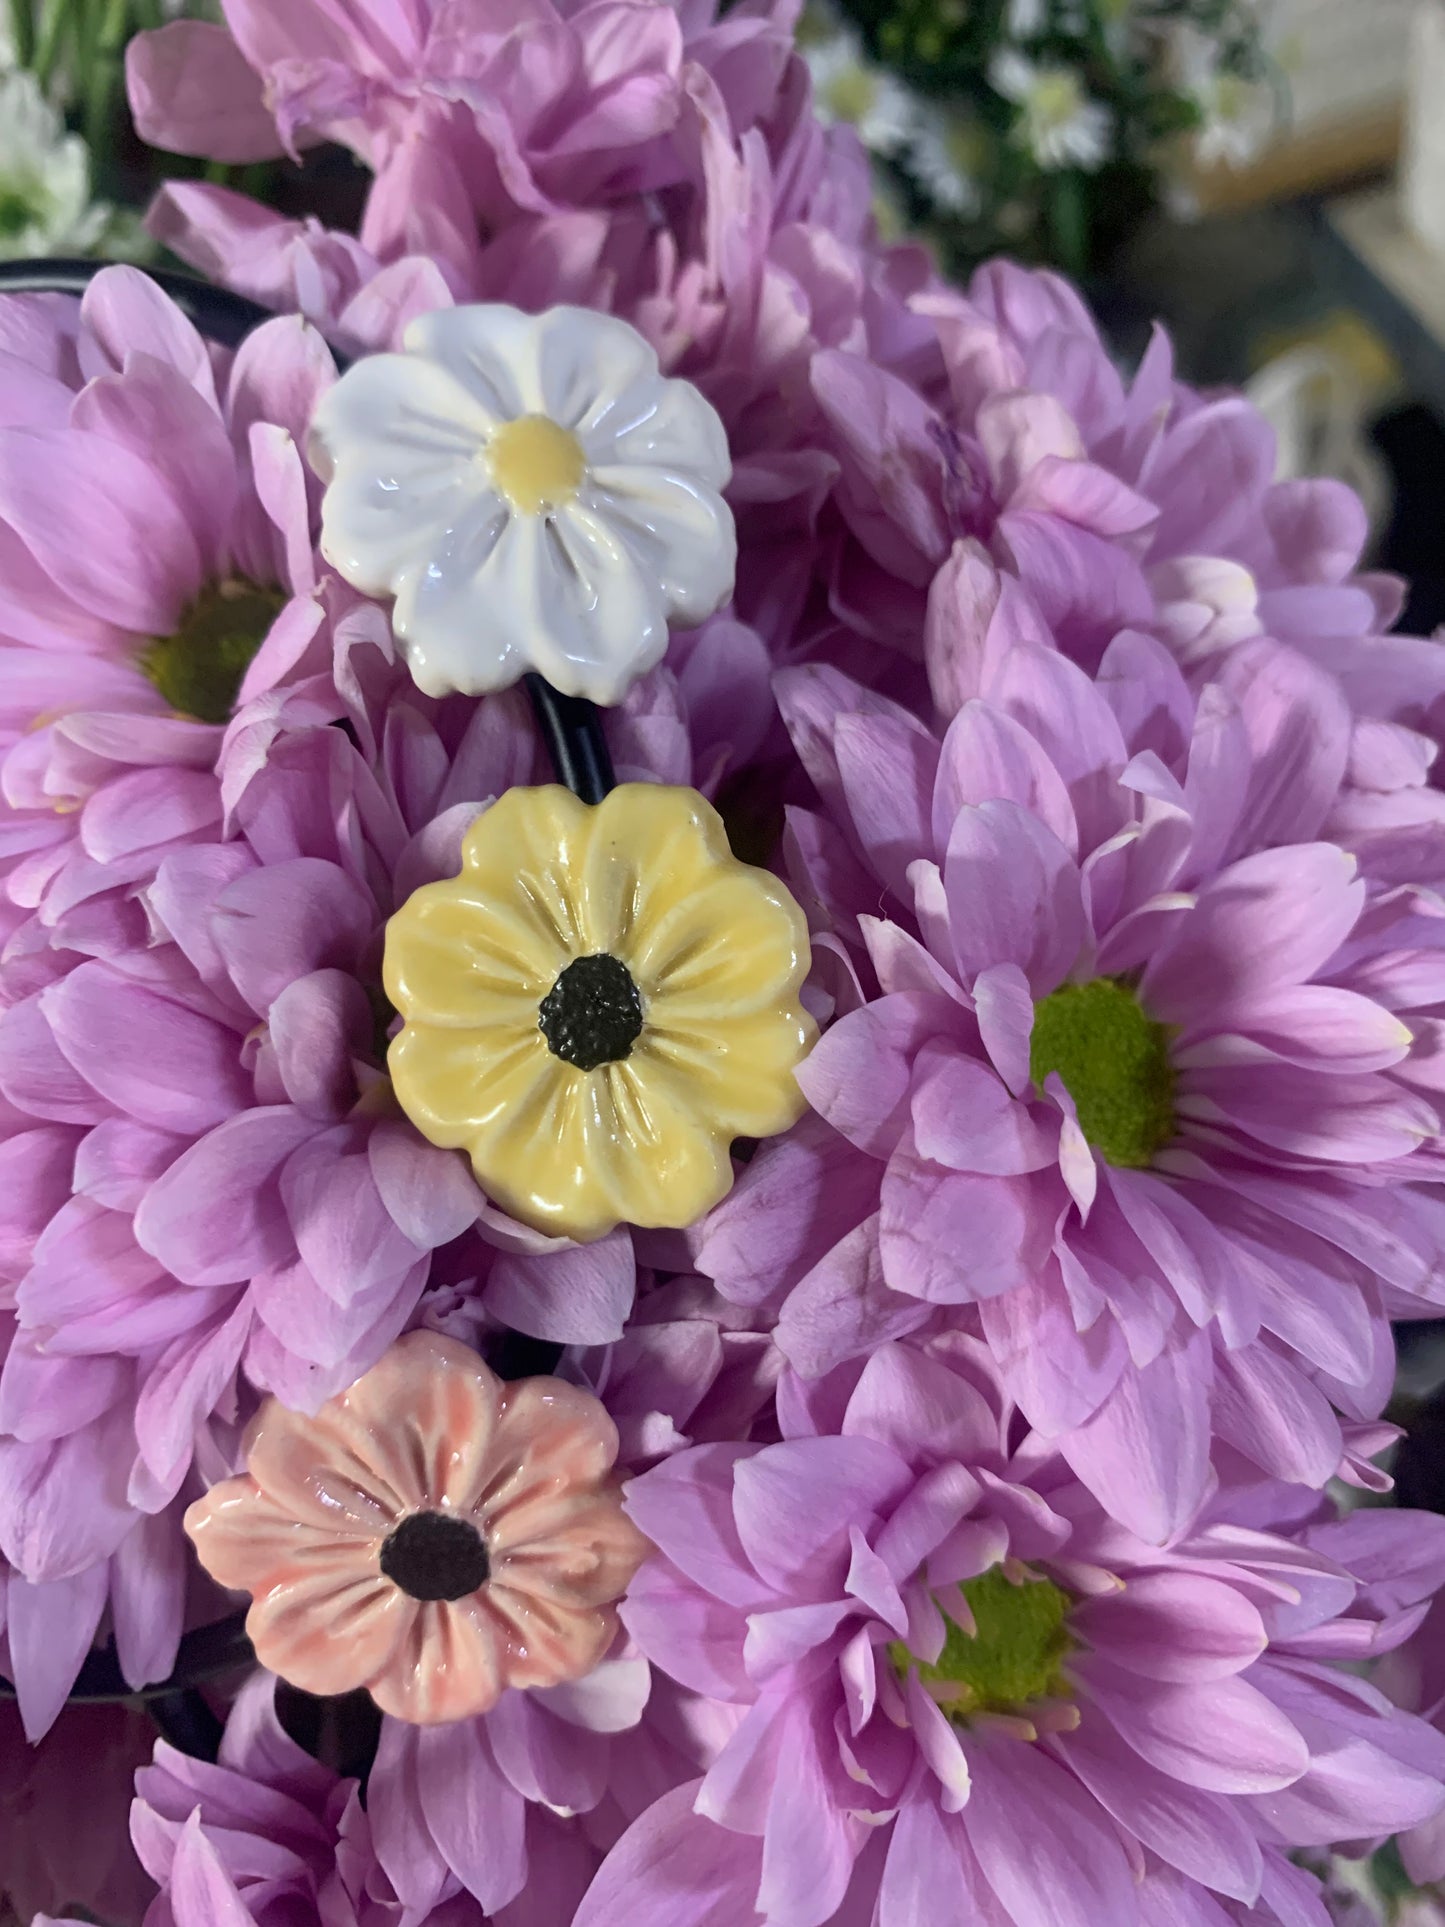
549,1434
549,1642
310,1473
332,1631
422,1420
449,1665
582,1554
247,1542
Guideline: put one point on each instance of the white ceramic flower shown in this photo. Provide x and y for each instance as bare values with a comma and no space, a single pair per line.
533,492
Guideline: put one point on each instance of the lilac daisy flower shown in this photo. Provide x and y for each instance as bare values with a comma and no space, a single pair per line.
968,1688
156,530
268,1835
1148,1068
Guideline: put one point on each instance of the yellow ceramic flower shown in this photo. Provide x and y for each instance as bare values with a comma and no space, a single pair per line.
598,1005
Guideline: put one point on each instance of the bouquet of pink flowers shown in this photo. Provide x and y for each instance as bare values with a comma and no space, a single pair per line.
721,1047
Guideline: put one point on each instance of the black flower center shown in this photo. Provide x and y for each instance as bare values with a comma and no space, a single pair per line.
592,1015
433,1556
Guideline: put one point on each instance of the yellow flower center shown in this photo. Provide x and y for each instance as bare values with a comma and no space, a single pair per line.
1013,1657
537,464
592,1015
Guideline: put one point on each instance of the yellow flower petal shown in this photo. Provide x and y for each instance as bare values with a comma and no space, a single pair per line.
528,853
666,1164
457,960
736,1074
717,949
547,1169
651,843
735,945
456,1085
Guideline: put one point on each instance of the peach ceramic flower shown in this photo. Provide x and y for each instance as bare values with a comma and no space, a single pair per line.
434,1534
598,1005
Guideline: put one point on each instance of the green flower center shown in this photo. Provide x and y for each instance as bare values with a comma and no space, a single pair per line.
1014,1657
17,213
200,668
1114,1063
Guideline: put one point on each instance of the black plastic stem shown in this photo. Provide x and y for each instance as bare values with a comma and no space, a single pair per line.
572,730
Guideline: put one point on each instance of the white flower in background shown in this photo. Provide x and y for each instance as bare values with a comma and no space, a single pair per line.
534,494
1026,19
1238,114
848,87
1057,121
45,204
946,157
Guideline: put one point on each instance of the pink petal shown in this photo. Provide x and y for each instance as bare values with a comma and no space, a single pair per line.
136,563
1052,1856
49,1628
1013,896
576,1294
1202,1834
228,1180
282,922
192,91
1269,921
1223,1735
473,1815
672,1864
987,756
964,1118
1176,1626
1145,1452
163,1064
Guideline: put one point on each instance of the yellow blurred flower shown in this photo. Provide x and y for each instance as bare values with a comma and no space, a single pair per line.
598,1005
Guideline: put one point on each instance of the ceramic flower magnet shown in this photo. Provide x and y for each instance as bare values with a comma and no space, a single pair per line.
598,1005
434,1534
534,494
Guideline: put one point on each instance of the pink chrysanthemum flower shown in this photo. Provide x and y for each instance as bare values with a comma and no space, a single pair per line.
431,1534
1150,1063
970,1693
270,1835
156,530
694,192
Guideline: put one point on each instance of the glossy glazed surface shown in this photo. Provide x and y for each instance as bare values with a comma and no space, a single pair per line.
430,1446
630,1125
533,492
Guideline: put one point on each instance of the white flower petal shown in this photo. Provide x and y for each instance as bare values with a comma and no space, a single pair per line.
454,633
582,590
394,410
585,361
679,531
661,424
486,346
601,619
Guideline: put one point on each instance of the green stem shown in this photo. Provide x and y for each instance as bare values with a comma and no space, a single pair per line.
22,31
56,18
104,55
